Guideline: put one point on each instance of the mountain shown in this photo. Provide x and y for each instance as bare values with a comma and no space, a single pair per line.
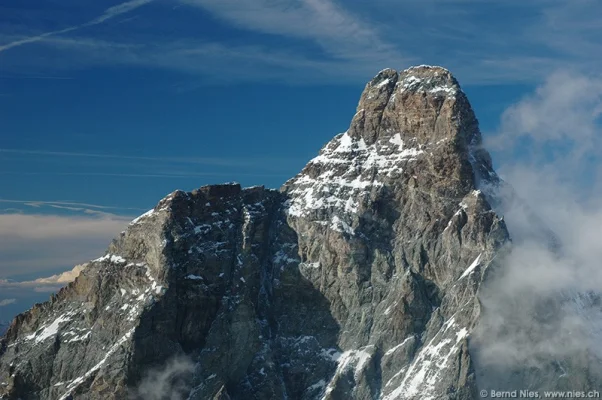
359,279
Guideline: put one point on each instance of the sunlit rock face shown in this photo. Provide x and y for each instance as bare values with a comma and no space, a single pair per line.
359,279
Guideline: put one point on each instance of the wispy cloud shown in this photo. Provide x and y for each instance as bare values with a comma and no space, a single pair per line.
208,62
169,381
182,175
348,46
39,203
216,161
109,13
316,41
42,77
66,165
34,39
119,9
6,302
339,32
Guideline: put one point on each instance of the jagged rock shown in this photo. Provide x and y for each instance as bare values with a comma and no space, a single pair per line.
359,279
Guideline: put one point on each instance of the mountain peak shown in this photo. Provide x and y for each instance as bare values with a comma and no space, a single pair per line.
422,103
432,80
359,280
412,129
432,68
427,78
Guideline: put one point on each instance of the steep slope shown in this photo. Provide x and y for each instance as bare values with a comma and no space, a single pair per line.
358,279
392,216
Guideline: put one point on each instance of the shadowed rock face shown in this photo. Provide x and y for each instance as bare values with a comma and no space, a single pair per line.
357,280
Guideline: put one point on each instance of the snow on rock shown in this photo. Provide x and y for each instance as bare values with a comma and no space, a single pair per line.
80,337
347,170
383,83
79,380
399,346
472,267
314,265
349,361
51,329
320,385
115,259
422,375
141,217
341,226
437,82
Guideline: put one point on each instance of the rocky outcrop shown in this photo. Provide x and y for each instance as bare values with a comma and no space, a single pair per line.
359,279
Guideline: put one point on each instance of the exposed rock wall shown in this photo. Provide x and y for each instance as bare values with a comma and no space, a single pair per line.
359,279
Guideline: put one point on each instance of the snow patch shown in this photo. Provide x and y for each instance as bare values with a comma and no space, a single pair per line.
431,362
146,214
115,259
383,83
347,169
79,380
50,330
472,267
399,346
351,360
396,140
341,226
314,265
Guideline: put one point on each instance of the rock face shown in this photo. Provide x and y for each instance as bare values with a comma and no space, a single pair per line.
359,279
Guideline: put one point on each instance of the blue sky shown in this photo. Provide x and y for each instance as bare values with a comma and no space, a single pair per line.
105,107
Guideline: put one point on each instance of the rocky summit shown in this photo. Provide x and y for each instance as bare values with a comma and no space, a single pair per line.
358,279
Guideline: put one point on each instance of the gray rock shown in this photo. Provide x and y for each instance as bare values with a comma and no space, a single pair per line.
359,279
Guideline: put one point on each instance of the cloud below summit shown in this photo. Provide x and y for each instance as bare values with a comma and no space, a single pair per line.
541,308
565,110
44,244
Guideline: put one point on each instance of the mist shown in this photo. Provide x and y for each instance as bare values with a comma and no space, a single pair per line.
541,326
171,381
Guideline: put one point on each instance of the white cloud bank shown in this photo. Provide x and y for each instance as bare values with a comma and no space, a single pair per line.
38,244
542,310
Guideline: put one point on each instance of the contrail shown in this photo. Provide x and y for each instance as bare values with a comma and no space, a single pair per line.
109,13
217,161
